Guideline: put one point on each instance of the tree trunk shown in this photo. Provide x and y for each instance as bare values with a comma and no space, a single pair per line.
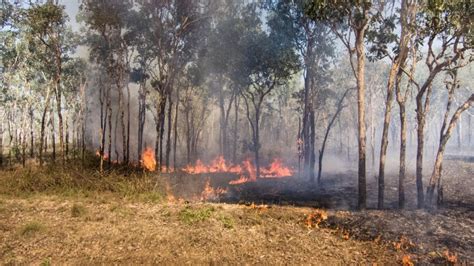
236,130
403,146
32,137
360,51
175,131
386,125
437,170
257,141
141,120
340,106
43,125
60,117
127,157
312,139
168,138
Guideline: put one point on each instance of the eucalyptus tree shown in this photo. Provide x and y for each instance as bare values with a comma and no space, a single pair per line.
106,22
175,31
447,33
315,46
348,20
266,62
46,26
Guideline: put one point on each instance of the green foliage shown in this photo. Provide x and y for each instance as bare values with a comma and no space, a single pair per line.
190,216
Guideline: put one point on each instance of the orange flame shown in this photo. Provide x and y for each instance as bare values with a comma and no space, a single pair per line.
315,218
209,193
148,159
450,256
246,170
406,261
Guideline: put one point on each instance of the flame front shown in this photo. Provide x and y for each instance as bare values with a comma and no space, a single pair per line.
148,159
246,170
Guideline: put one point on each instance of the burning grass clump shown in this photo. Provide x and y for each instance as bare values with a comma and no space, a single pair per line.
190,215
31,228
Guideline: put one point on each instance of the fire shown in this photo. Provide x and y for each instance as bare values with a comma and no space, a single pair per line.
314,219
404,244
148,159
246,170
450,256
406,261
276,169
241,180
209,193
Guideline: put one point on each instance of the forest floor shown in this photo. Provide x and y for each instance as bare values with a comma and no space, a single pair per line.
80,217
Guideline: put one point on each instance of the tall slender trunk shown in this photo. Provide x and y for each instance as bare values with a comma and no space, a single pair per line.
312,139
340,107
60,116
386,125
420,118
360,51
162,126
168,138
32,137
403,147
175,130
66,140
127,157
43,125
109,107
141,120
236,130
53,137
257,141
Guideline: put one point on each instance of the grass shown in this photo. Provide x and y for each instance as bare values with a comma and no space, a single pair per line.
192,216
84,181
78,210
31,228
226,221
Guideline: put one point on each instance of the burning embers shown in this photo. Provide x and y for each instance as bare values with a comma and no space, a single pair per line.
246,170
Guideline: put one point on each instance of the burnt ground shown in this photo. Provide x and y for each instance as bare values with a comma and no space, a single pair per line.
424,234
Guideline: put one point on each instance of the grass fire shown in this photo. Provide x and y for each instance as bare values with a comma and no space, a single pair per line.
300,132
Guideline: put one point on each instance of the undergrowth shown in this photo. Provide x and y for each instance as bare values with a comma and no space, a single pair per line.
85,180
191,216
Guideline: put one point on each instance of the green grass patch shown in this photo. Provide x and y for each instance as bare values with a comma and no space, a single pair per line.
78,210
192,216
226,221
31,228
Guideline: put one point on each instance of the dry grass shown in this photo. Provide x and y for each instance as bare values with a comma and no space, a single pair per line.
31,228
74,180
125,232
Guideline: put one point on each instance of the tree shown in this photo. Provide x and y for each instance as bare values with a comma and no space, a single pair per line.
46,24
445,133
315,45
349,19
266,63
448,23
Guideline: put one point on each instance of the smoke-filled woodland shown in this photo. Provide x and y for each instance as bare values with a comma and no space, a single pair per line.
229,132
